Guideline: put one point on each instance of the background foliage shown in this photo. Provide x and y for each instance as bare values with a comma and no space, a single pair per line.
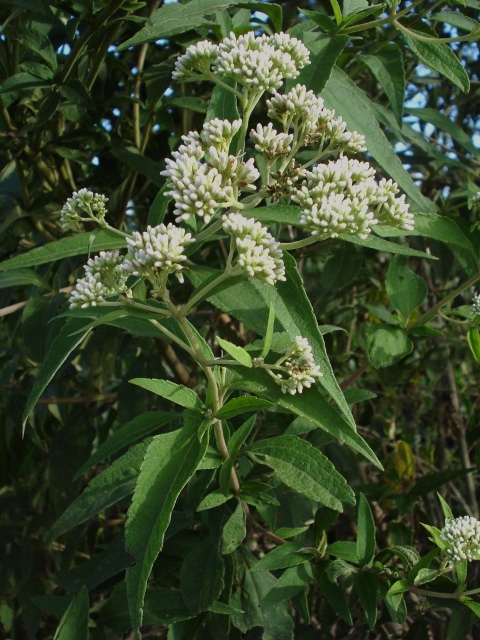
86,100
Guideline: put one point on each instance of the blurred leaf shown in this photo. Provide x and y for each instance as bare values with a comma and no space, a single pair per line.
292,581
365,533
324,53
139,163
406,290
234,530
367,594
177,393
386,345
283,556
473,338
20,277
388,68
201,575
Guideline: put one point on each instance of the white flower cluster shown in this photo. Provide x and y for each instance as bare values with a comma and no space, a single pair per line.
462,538
259,254
268,141
257,64
203,177
476,304
158,249
83,201
299,366
342,197
103,278
305,112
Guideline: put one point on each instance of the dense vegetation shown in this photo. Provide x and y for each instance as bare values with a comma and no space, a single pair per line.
261,508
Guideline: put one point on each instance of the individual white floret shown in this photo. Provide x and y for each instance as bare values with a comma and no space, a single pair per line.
268,141
462,538
259,254
196,60
157,249
83,202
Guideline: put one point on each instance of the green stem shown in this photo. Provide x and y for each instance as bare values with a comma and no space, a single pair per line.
381,21
228,273
173,337
417,36
287,246
441,303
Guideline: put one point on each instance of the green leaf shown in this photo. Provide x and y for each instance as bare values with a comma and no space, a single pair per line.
223,103
312,405
176,18
406,290
324,53
456,19
303,468
426,575
291,582
473,606
223,609
245,404
240,435
109,487
345,550
337,12
333,593
171,391
283,556
400,586
432,226
372,242
201,575
447,512
290,532
267,343
74,623
157,211
61,347
351,7
355,107
386,345
81,243
367,588
214,499
433,481
234,530
473,338
272,10
423,563
137,162
169,463
439,57
138,428
388,68
365,533
20,277
321,20
445,123
238,353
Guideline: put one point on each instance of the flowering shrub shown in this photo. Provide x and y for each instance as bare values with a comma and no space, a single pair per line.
238,473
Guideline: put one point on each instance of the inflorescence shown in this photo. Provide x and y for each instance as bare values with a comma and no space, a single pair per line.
83,202
462,539
476,304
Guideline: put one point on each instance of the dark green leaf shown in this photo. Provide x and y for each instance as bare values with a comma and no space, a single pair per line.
291,582
439,57
283,556
177,393
201,576
386,345
345,550
240,435
234,530
365,533
61,347
137,162
405,289
223,103
333,593
214,499
74,623
473,338
140,427
304,469
159,207
388,68
238,353
324,53
367,594
20,277
109,487
433,481
272,10
81,243
169,463
245,404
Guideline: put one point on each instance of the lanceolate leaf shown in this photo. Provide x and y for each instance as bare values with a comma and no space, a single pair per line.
170,462
138,428
19,277
324,53
350,102
245,404
388,68
365,532
171,391
59,350
439,57
109,487
176,18
303,468
74,623
201,575
81,243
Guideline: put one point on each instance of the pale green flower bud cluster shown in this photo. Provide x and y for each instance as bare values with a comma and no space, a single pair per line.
259,254
103,278
158,249
83,202
298,367
268,141
257,64
203,177
476,304
462,539
342,197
